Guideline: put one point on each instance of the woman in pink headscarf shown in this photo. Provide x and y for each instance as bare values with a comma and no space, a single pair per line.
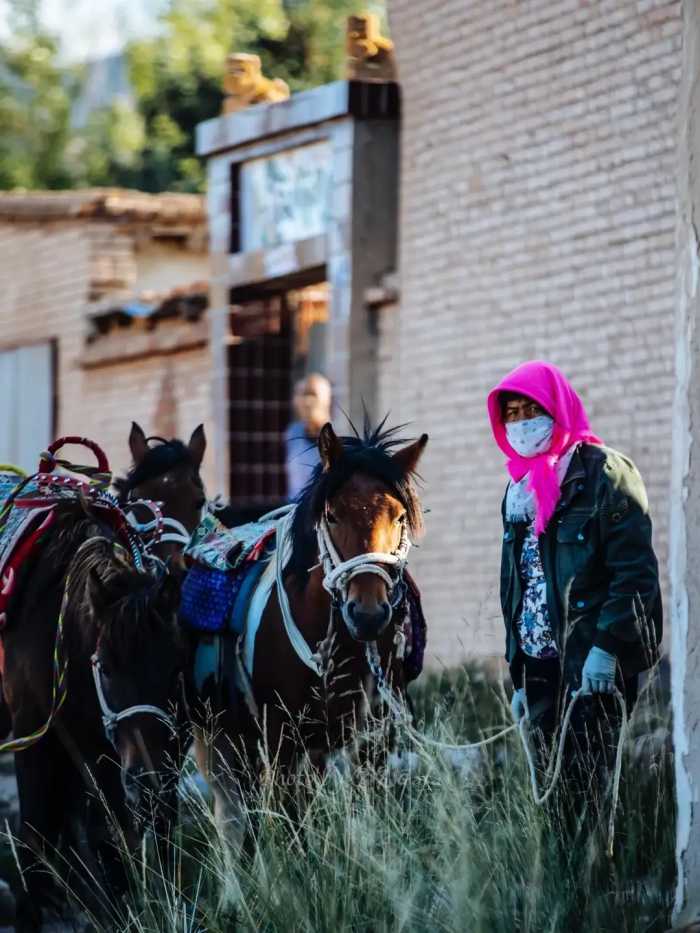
579,577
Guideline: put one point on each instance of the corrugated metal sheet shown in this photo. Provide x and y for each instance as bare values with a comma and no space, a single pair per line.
26,404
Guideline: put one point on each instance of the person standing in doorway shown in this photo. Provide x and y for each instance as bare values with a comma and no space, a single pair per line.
312,408
579,578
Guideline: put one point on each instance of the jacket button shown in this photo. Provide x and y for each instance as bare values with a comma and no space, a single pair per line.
580,487
580,604
580,536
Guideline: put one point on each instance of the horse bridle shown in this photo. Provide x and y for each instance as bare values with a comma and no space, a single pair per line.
156,528
337,573
111,720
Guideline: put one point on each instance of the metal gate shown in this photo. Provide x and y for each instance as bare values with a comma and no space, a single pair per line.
260,375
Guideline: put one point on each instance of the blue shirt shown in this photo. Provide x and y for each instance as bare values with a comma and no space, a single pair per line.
302,458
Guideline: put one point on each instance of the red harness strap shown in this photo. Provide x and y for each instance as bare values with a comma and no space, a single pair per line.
7,582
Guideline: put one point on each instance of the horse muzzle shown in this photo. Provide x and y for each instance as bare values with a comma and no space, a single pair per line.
366,624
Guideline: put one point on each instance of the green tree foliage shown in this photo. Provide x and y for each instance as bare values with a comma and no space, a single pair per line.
35,100
148,143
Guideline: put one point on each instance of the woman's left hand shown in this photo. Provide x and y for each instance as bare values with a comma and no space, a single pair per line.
598,674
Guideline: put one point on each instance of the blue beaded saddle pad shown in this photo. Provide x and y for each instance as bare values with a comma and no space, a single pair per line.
216,601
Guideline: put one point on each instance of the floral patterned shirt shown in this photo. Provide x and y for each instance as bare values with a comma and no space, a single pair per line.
534,629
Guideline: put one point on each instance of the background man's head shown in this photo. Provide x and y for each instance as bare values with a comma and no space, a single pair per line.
312,401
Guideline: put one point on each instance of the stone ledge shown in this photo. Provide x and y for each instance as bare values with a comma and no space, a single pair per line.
360,99
119,346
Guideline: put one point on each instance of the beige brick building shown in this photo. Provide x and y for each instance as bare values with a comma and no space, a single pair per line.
106,290
538,215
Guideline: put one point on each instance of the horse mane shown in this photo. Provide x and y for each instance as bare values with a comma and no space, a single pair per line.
132,616
369,452
165,456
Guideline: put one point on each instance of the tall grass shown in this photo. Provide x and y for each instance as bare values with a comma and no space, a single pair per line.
452,845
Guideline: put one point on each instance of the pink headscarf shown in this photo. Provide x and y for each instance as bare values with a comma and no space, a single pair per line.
548,386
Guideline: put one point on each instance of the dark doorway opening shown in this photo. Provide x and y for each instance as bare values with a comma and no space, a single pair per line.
277,336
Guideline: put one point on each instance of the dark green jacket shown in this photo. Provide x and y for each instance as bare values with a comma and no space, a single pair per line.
601,571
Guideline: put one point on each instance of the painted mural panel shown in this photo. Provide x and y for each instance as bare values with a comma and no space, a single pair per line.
285,197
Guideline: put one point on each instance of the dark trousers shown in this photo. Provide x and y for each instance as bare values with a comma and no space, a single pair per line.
591,743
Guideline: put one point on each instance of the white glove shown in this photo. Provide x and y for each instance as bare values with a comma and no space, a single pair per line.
518,705
598,674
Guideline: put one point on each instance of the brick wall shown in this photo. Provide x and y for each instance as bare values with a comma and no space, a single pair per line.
53,275
537,221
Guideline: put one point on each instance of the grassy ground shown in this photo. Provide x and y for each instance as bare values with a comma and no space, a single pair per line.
454,846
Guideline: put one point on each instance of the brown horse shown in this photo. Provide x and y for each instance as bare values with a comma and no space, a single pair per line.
123,654
347,543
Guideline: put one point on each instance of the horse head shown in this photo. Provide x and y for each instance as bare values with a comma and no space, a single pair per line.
365,510
166,472
137,666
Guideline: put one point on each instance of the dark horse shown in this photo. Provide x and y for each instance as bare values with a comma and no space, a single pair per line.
361,504
82,784
167,472
82,781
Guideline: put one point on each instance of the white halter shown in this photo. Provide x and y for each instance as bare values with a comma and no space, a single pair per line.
110,719
156,527
337,574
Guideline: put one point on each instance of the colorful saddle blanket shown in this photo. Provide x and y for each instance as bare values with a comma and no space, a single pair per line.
20,531
220,548
226,565
216,601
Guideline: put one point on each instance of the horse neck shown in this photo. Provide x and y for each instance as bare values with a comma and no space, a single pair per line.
311,605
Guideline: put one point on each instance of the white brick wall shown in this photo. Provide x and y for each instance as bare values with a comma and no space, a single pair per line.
538,217
49,273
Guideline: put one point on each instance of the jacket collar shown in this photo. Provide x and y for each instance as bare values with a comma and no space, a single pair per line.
575,475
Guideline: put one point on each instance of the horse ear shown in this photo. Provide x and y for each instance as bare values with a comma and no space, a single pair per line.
329,447
138,445
407,458
197,445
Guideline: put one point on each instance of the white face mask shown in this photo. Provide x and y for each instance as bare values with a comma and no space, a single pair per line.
532,437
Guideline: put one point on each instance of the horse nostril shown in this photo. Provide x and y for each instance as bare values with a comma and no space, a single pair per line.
386,610
351,608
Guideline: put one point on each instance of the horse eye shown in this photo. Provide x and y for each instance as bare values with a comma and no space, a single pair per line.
331,519
401,520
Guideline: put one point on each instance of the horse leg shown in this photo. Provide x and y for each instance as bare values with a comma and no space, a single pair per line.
229,810
111,837
40,785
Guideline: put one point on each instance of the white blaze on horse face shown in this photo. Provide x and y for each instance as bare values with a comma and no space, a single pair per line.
365,518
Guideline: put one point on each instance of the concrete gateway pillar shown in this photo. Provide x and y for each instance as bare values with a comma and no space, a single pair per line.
685,484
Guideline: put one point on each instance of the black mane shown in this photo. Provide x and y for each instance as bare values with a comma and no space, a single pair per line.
369,453
165,456
138,603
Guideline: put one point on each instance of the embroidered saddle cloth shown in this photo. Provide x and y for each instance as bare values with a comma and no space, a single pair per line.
220,548
226,565
20,529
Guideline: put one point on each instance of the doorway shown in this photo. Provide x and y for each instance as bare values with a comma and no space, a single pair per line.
276,338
